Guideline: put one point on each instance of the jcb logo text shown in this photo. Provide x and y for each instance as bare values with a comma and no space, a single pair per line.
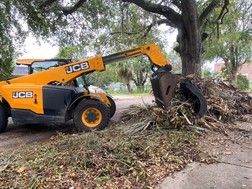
77,67
22,94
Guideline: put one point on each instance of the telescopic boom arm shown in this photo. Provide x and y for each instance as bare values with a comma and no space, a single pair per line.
71,71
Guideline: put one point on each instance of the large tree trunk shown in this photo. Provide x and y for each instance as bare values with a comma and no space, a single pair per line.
189,23
234,65
232,72
129,87
140,79
190,55
140,88
189,38
233,79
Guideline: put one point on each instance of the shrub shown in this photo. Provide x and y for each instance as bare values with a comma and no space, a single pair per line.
242,82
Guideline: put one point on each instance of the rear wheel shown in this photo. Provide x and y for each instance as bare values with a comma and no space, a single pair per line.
112,107
91,115
3,118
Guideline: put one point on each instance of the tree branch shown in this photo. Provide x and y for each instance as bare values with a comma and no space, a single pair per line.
159,22
206,13
173,17
46,3
119,32
145,78
177,4
222,14
245,61
67,11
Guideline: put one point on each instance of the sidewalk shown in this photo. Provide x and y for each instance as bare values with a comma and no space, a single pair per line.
233,172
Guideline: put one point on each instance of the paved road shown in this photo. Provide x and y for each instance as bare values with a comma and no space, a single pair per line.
16,136
123,102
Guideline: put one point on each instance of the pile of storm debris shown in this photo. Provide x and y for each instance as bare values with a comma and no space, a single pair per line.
225,104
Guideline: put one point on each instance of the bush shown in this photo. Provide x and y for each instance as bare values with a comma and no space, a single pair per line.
242,82
207,74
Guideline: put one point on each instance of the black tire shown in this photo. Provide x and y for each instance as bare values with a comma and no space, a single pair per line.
91,115
112,107
191,91
3,118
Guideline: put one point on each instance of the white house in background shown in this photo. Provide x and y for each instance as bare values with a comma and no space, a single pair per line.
116,86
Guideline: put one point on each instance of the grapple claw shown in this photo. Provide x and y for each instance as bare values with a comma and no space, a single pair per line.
164,85
192,92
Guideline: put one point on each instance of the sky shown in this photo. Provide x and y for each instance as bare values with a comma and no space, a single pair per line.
33,49
45,50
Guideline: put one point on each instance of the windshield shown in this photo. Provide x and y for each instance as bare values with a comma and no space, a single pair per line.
40,66
45,65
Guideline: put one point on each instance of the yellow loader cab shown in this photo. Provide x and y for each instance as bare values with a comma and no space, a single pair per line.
51,92
52,103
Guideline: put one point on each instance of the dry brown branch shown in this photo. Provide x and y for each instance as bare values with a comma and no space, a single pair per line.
225,105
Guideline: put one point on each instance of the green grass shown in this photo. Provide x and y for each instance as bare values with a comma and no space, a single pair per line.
250,86
127,93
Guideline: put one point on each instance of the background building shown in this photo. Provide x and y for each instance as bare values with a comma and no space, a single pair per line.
245,70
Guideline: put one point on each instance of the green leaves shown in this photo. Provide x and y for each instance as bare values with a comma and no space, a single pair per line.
233,44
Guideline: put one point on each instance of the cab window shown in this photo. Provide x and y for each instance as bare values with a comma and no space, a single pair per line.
45,65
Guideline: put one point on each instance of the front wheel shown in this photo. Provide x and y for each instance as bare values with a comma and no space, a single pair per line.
91,115
3,118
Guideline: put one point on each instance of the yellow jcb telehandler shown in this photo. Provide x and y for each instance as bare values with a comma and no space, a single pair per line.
51,92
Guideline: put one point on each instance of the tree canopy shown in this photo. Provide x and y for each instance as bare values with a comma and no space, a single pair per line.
110,25
232,42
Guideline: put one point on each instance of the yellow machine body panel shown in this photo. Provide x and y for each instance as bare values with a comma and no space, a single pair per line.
27,61
63,73
24,96
155,55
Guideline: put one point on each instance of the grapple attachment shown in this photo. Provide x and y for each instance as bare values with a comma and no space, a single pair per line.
164,84
192,92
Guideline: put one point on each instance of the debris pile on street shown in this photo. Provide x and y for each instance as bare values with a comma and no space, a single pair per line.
122,156
225,105
101,159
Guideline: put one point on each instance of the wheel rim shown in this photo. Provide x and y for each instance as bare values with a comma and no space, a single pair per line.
91,117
